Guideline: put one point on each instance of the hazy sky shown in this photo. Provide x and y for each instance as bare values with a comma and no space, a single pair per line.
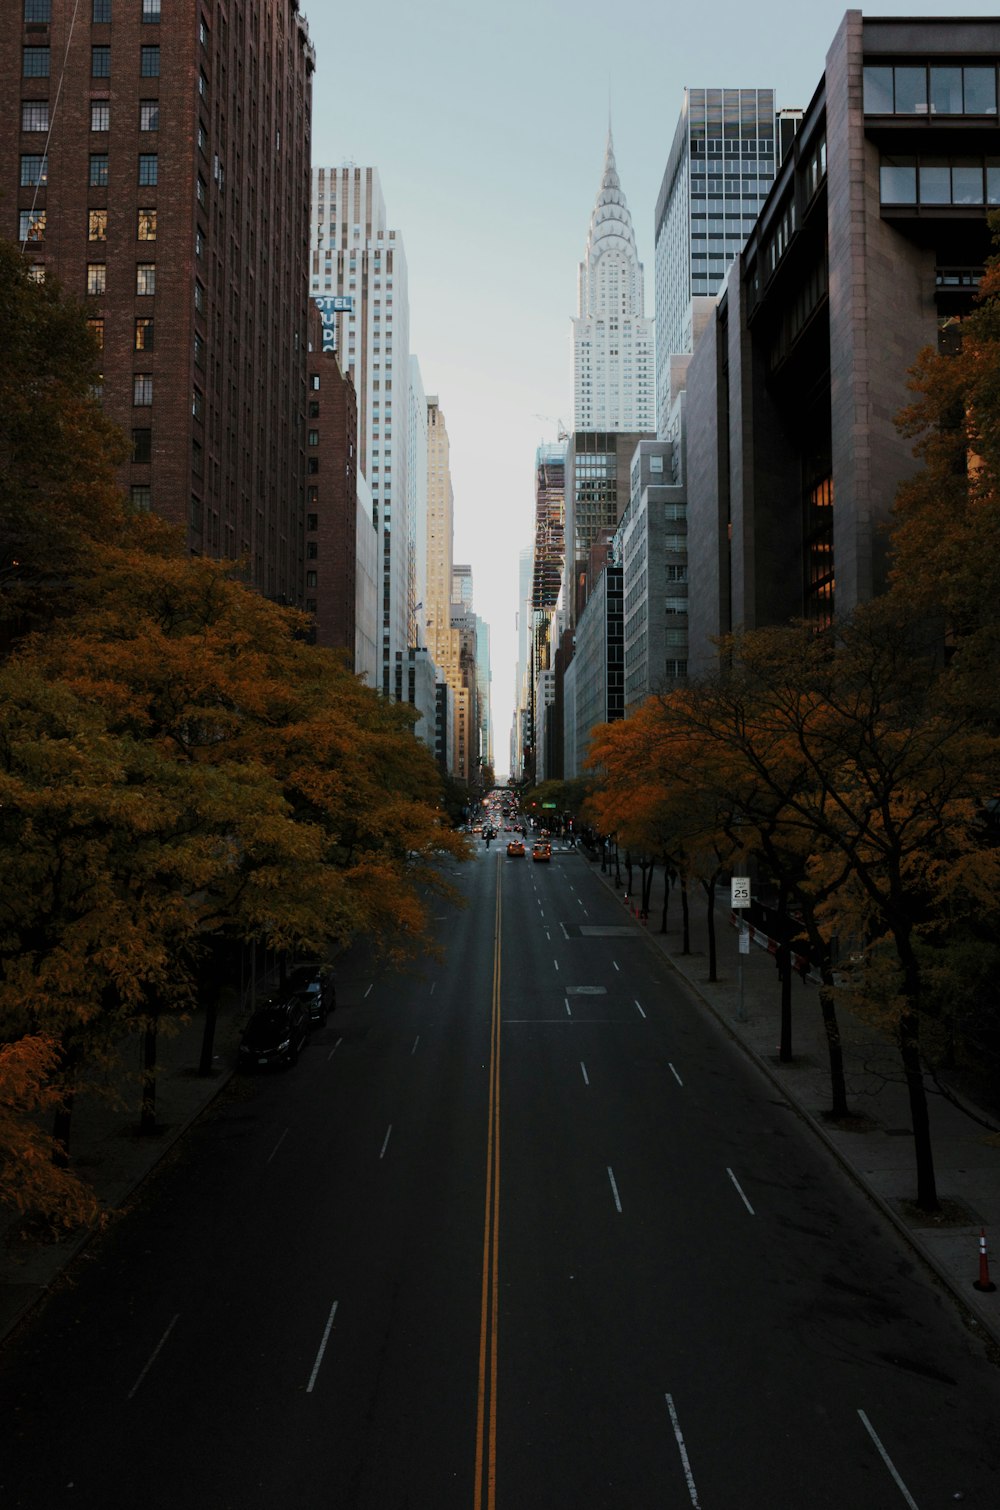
487,124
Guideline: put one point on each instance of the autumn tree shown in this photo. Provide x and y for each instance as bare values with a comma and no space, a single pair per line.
60,500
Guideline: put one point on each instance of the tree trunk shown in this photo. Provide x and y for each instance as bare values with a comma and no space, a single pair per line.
713,972
834,1046
685,915
618,868
628,872
147,1114
666,893
208,1036
785,974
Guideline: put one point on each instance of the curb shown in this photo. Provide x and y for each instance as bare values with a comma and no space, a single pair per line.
987,1328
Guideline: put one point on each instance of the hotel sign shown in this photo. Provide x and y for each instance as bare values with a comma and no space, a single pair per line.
330,306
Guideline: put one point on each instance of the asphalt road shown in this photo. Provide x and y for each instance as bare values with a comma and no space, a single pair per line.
522,1229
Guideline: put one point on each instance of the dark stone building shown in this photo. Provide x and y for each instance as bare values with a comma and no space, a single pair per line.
868,248
155,159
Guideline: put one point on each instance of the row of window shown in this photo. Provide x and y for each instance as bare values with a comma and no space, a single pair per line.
937,89
100,13
35,170
145,278
939,180
36,62
32,223
36,115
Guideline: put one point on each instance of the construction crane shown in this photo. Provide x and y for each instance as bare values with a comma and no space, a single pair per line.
561,432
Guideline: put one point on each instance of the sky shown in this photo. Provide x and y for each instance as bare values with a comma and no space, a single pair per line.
488,124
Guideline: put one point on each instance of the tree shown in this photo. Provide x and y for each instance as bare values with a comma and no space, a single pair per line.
60,499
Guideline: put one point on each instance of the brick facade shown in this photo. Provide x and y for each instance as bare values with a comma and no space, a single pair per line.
176,207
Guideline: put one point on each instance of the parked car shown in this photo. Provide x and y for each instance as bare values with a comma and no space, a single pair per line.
316,984
515,847
541,850
275,1034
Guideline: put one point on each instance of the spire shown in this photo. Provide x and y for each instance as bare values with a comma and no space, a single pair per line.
610,232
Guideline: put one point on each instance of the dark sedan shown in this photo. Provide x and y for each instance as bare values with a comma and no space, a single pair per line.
275,1035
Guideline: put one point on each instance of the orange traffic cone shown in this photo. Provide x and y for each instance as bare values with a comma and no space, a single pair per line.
983,1282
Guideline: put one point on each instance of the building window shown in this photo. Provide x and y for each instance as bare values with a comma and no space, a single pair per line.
149,115
97,274
941,89
149,62
36,272
312,551
31,225
150,10
96,328
312,465
197,404
100,62
311,579
142,446
148,169
38,10
199,297
199,350
142,497
144,333
101,14
312,521
201,190
100,115
142,389
898,180
35,62
97,225
146,225
98,170
34,115
34,170
314,437
145,278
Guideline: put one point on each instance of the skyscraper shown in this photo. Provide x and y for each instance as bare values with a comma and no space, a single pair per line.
360,263
613,361
161,172
720,169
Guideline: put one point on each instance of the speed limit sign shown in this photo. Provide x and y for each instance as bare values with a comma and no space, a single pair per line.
741,891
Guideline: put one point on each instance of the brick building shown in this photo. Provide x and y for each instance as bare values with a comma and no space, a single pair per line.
154,157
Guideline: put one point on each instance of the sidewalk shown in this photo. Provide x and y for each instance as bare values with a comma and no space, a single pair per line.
108,1151
877,1149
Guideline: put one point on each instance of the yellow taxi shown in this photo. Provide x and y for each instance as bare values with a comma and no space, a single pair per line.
516,847
541,850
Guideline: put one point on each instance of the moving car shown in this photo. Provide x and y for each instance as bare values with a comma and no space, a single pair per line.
274,1035
515,847
541,850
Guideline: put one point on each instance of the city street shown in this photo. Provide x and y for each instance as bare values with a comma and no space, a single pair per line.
523,1228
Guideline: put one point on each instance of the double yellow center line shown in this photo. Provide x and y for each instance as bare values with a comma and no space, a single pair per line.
486,1409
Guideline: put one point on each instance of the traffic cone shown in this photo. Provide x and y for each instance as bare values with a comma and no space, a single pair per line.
983,1282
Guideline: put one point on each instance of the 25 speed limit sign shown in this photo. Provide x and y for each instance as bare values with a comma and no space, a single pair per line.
741,891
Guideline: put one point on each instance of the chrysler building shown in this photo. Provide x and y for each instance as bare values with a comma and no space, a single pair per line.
613,358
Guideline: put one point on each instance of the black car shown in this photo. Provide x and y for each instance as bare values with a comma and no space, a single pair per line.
315,983
275,1034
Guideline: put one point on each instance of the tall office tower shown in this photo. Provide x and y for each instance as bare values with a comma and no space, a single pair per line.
161,173
416,473
440,533
613,359
360,263
519,734
545,592
720,168
461,586
484,678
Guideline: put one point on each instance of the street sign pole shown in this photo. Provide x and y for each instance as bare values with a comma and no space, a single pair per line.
740,899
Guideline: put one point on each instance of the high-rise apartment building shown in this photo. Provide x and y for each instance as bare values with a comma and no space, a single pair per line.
440,534
718,174
613,358
156,161
359,262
